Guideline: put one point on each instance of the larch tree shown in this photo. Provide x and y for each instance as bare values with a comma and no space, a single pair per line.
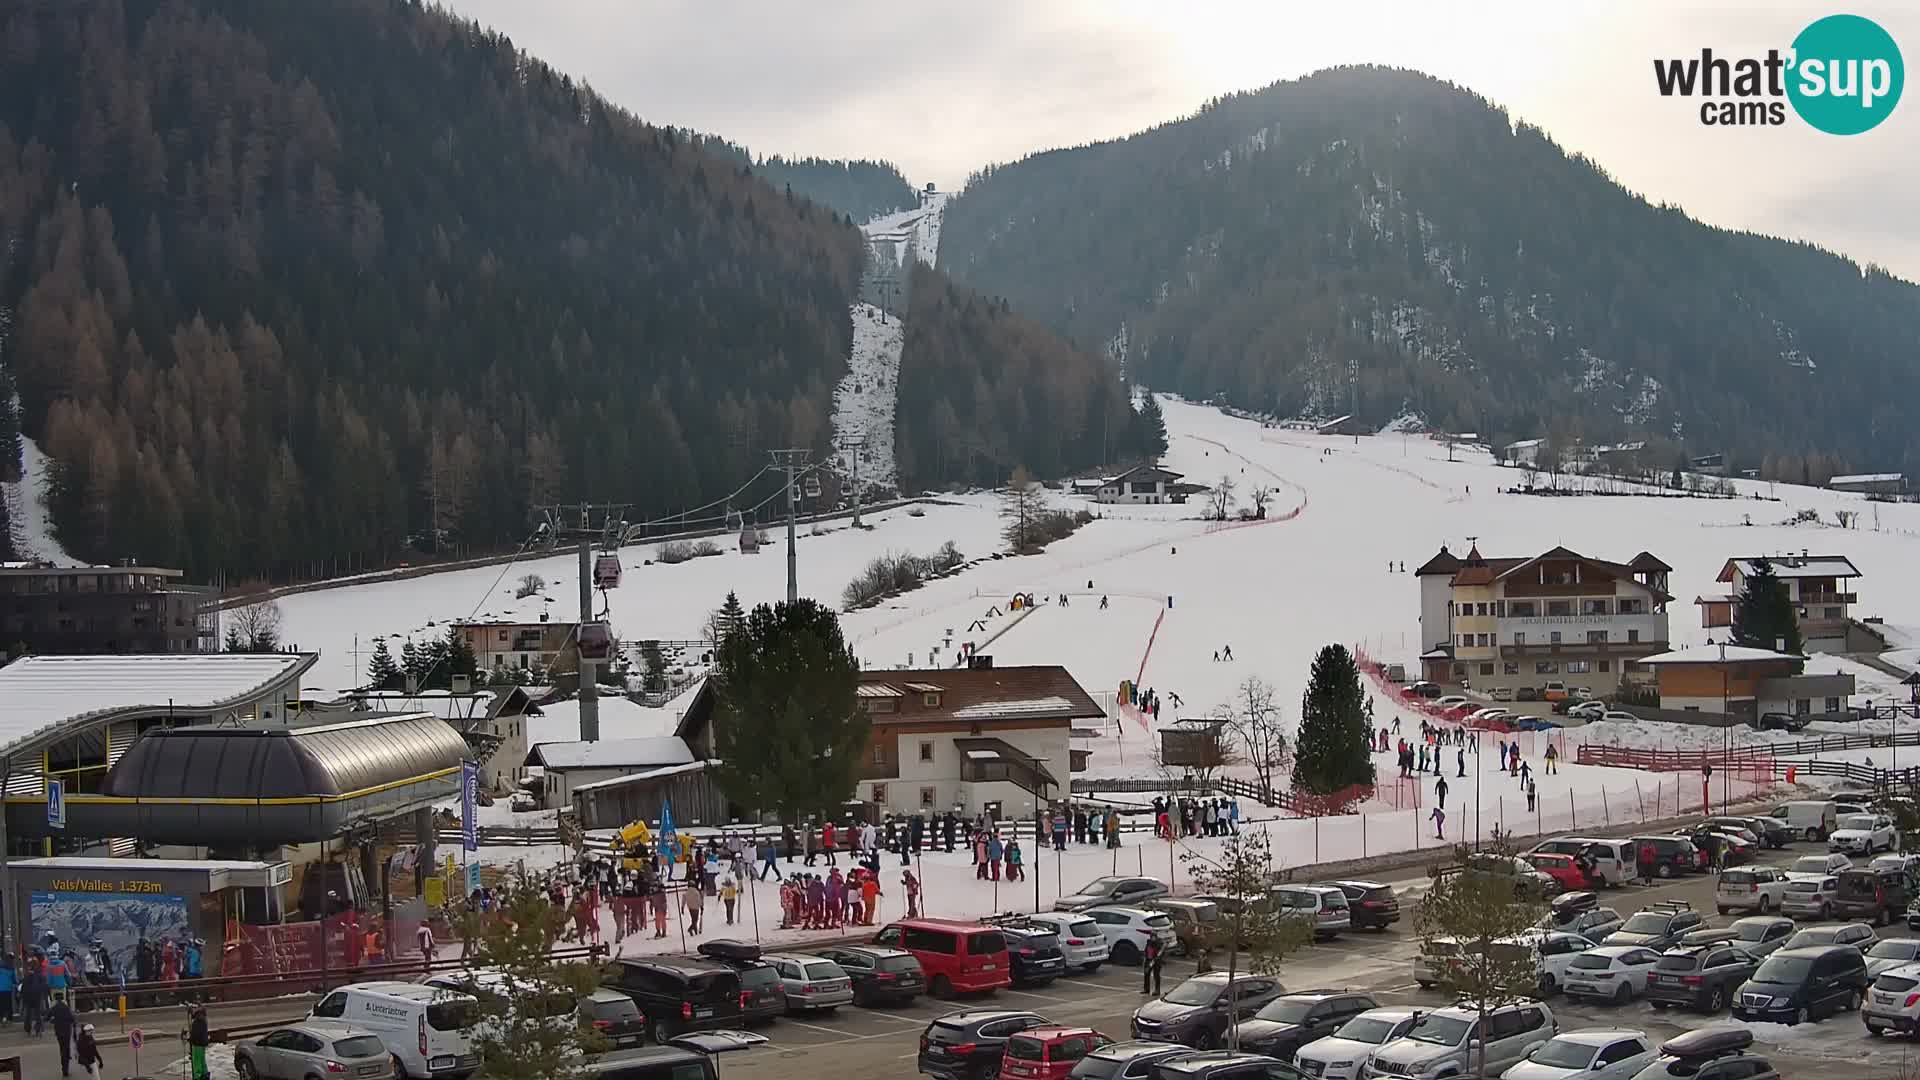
1022,504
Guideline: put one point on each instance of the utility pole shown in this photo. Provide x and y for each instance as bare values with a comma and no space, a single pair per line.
853,444
791,460
589,684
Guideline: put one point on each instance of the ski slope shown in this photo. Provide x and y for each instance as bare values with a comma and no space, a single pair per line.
33,537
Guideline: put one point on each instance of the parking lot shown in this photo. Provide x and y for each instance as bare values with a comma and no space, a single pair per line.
861,1043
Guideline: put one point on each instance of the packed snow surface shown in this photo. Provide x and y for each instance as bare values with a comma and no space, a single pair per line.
27,510
863,403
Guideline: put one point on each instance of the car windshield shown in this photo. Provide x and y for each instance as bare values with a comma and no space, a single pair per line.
1863,822
1093,1067
1751,931
1194,992
1806,885
1366,1029
451,1015
1590,962
360,1046
1560,1054
1783,969
1285,1012
1904,949
1674,962
1646,923
1737,877
1085,928
613,1008
897,964
1026,1048
1098,886
1819,935
826,969
1159,922
1440,1030
759,977
1809,864
1895,984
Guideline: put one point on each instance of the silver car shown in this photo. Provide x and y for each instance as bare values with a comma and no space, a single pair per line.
811,982
314,1048
1810,898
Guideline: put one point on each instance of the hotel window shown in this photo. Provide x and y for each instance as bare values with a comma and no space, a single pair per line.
926,751
1579,667
1500,609
1486,669
1480,640
1519,637
927,795
1596,637
1833,704
1546,667
880,794
503,635
1553,637
1830,613
1632,606
1606,666
1482,609
1524,609
1559,607
1595,607
1633,636
1511,668
879,754
931,701
1466,641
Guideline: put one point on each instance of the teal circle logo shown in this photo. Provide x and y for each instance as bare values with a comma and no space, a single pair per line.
1846,76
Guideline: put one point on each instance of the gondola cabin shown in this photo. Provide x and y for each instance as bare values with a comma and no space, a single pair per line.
596,641
606,571
811,487
749,540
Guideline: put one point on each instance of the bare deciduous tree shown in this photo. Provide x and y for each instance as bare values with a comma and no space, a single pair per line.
1261,496
253,627
1254,720
1220,499
1192,751
530,585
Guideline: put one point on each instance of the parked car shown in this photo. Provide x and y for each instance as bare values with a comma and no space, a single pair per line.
1448,701
1500,693
1877,896
956,957
678,994
880,976
1864,834
1128,929
1048,1053
1133,1060
1713,1053
811,983
1853,935
1441,1043
1287,1023
1656,926
1594,923
615,1016
1553,952
1612,857
1889,953
1754,888
1033,949
968,1045
1371,905
1760,935
1818,865
1528,880
688,1057
313,1048
1112,890
1423,689
1488,715
1893,1001
1782,721
1796,985
1770,831
1198,1012
1588,711
1554,691
1809,897
1620,715
1324,905
1341,1055
1615,973
1192,920
1702,977
1587,1054
1562,869
1082,943
1671,854
1525,693
761,996
1809,819
1225,1065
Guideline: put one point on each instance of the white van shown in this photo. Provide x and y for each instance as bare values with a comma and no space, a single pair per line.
1809,819
423,1027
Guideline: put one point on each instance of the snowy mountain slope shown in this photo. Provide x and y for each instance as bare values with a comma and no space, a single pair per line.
27,510
864,403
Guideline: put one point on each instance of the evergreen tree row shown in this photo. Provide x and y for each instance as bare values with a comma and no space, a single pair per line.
296,285
1374,234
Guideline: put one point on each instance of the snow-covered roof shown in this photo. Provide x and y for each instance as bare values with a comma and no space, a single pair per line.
1714,654
1868,478
1795,566
1524,444
39,694
1030,707
645,774
611,753
79,862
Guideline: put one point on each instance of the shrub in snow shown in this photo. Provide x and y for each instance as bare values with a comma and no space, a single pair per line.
892,574
679,551
530,585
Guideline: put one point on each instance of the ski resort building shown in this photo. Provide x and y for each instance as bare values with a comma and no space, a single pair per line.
1891,483
1819,587
46,610
528,645
1526,623
1141,484
1745,684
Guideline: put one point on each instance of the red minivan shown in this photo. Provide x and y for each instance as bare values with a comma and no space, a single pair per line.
958,957
1048,1053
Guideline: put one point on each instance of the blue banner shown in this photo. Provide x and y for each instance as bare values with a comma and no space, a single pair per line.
469,806
667,839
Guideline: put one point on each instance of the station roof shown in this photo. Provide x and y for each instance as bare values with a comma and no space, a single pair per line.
323,761
611,753
47,697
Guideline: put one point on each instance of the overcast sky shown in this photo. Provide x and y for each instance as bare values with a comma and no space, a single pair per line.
942,89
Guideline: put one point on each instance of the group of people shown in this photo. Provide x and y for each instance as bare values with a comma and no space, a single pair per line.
1195,817
1098,825
817,902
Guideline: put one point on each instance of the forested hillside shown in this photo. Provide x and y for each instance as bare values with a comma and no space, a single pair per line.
1380,224
298,281
857,189
984,390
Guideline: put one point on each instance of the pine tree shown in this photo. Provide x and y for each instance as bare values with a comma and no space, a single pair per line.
413,664
1330,752
728,618
1763,617
787,728
382,672
1149,428
459,658
654,678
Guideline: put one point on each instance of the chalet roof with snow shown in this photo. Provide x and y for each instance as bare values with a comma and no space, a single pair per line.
1793,566
1144,473
1716,654
1479,570
1868,478
611,754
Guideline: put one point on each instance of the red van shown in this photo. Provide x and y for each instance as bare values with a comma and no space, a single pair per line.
1048,1053
958,957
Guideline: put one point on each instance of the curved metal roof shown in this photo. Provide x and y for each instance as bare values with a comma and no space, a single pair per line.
285,763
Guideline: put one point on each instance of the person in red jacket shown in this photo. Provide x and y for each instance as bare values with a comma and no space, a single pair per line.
826,840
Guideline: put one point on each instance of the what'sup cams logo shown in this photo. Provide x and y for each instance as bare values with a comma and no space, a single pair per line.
1843,75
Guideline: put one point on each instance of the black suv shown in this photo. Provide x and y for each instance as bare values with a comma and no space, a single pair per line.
880,976
968,1045
1370,905
1796,985
1671,854
678,994
761,996
1226,1065
1714,1053
1656,926
1197,1012
1702,977
1128,1060
1287,1023
1033,950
